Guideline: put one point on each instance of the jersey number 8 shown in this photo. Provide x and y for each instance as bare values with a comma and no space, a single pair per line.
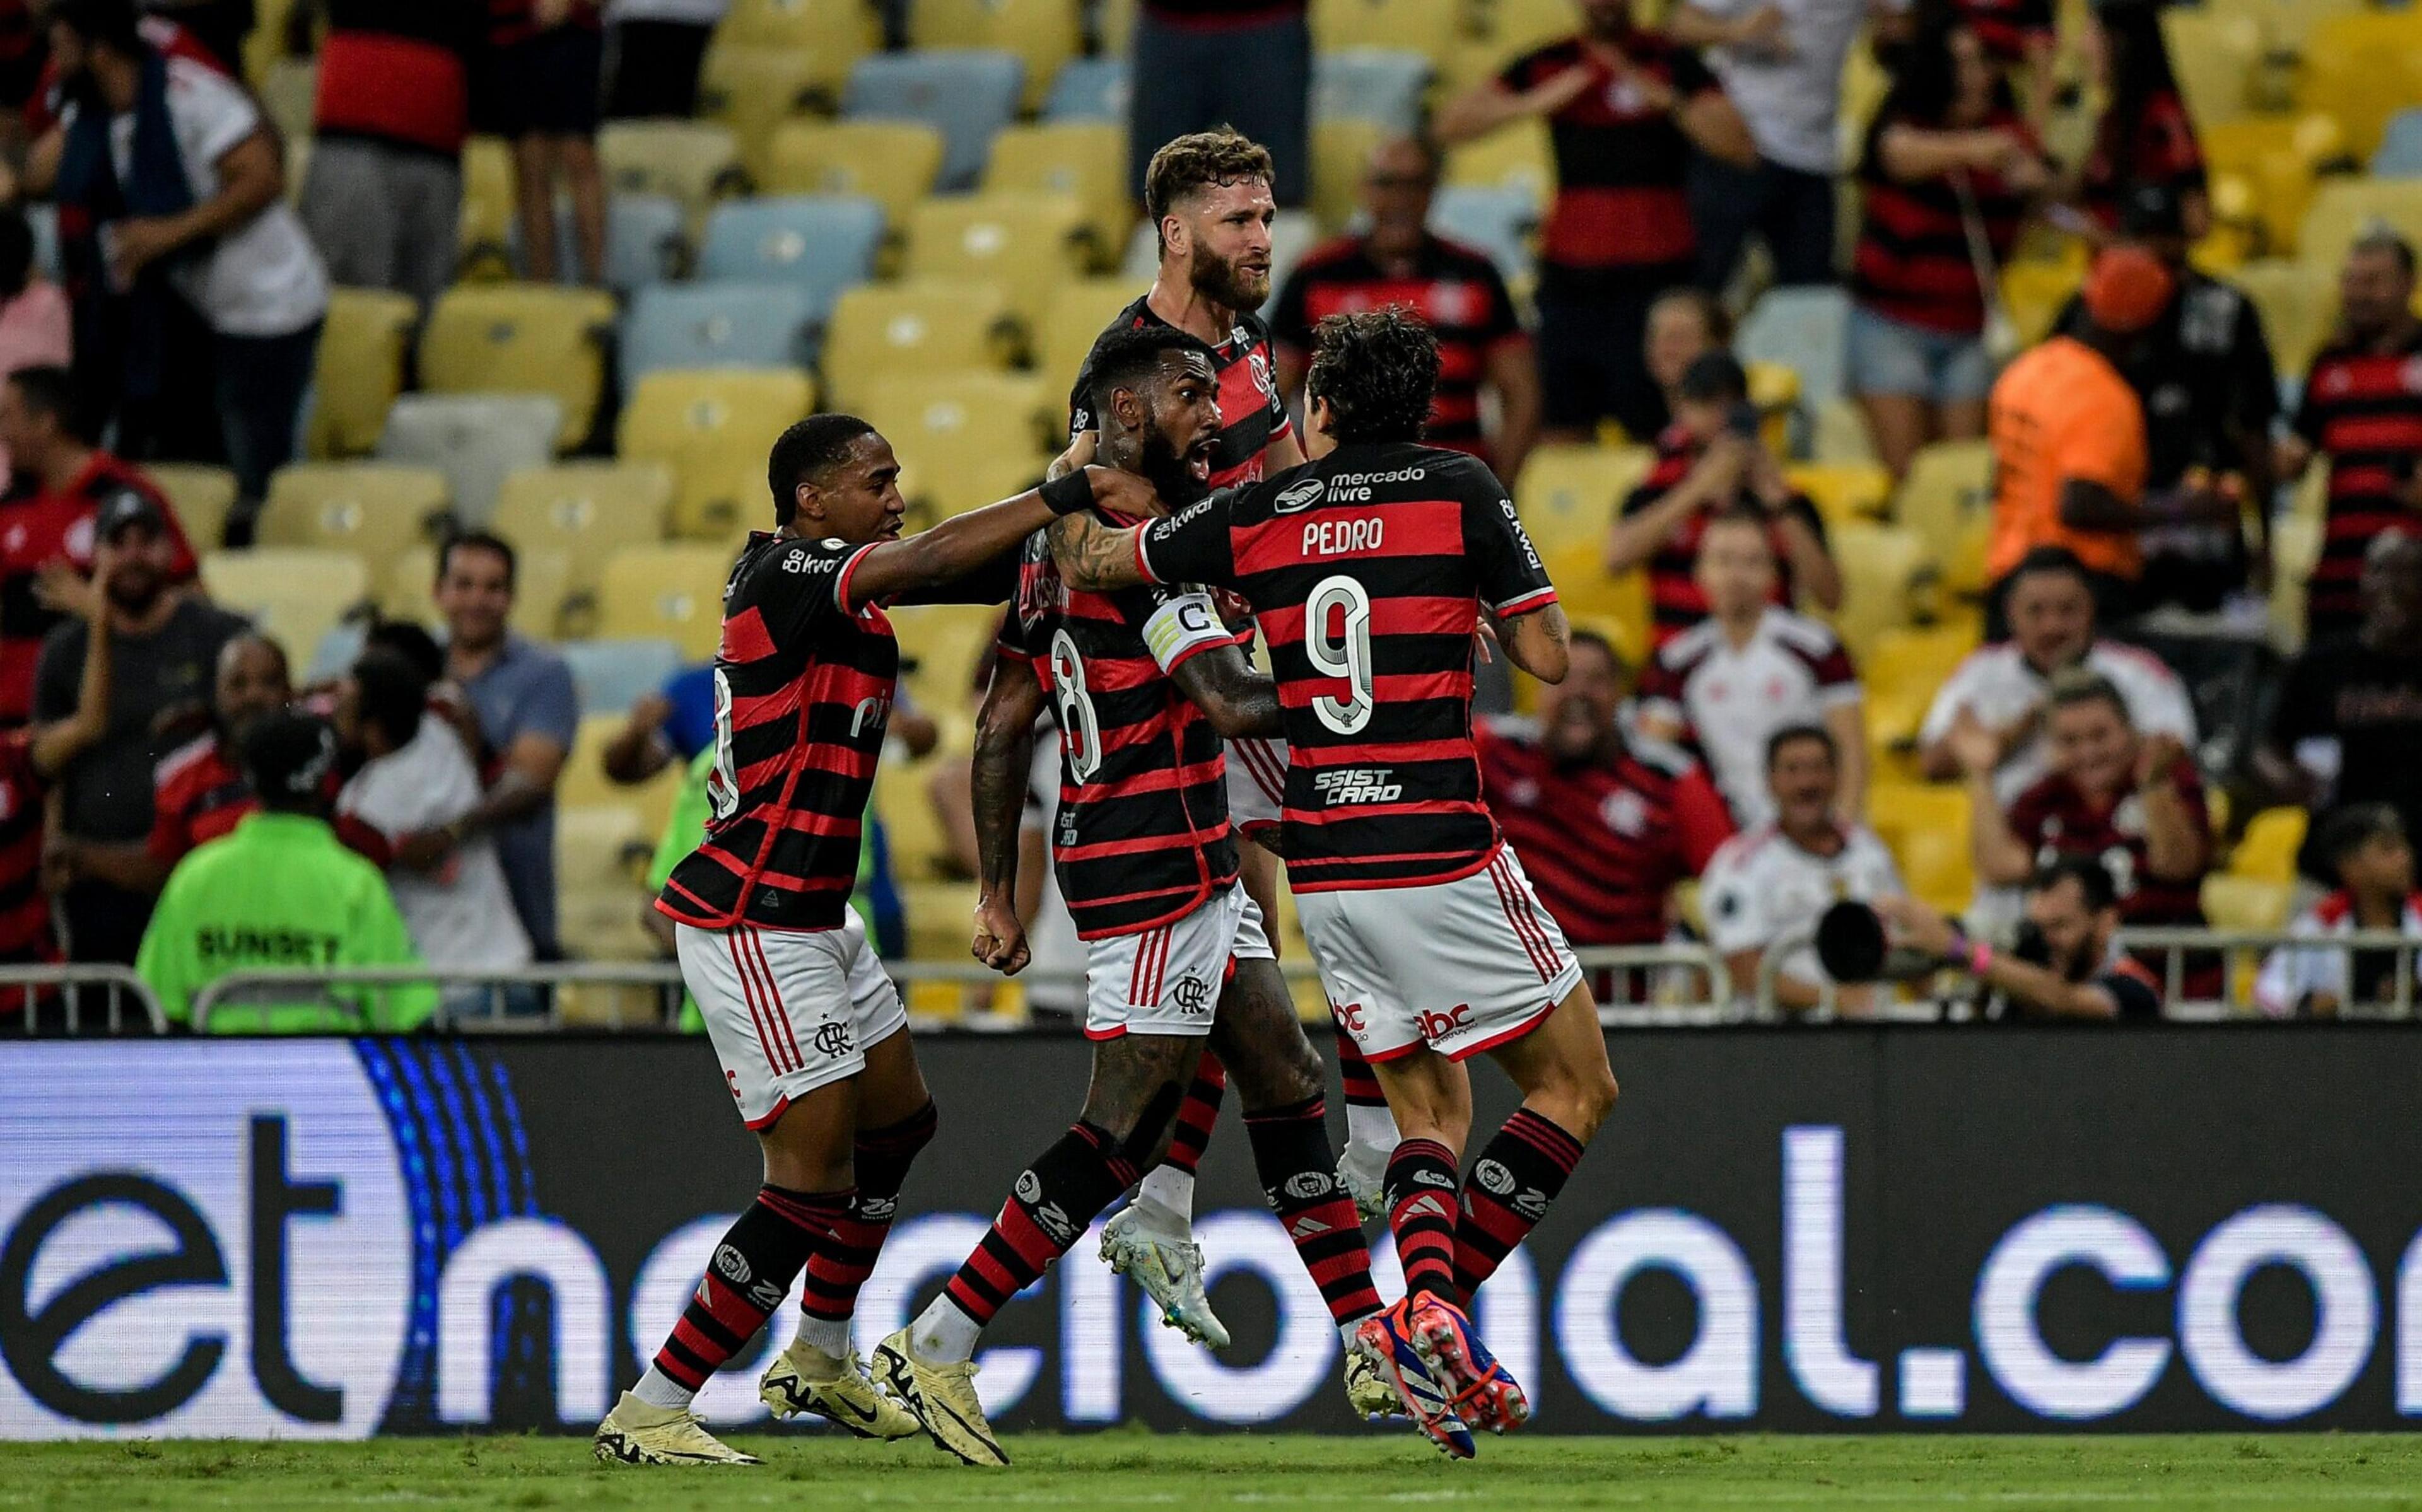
1080,729
723,781
1347,656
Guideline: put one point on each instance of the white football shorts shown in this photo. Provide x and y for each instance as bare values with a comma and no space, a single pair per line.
1256,785
1458,966
788,1010
1167,980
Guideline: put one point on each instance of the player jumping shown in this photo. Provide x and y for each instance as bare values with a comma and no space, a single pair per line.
1208,193
1144,682
801,1016
1368,570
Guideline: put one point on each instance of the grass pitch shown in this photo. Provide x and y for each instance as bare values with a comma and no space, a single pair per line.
1126,1472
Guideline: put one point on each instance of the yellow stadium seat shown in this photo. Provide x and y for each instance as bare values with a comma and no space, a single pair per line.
2214,55
585,785
1087,159
373,510
949,641
2286,23
1340,150
587,511
892,163
915,326
1843,491
712,427
1926,827
1431,27
842,30
1888,575
754,89
360,369
1903,671
1947,500
2033,292
522,339
2298,301
1026,243
2362,68
2232,902
266,45
962,441
294,594
486,230
674,593
1774,389
1568,497
1074,318
696,163
600,854
1044,34
2343,209
1514,157
2272,163
201,496
402,586
2268,849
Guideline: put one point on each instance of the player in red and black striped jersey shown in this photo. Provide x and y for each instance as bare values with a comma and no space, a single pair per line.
802,1018
1370,568
2362,410
1143,681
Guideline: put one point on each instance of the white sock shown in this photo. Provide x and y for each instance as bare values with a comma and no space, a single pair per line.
657,1389
1369,1136
827,1337
1346,1332
943,1335
1170,1189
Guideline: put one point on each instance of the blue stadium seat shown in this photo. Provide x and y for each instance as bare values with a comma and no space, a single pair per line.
823,243
2400,149
1088,88
647,242
1491,218
1804,330
965,93
716,326
1369,84
612,675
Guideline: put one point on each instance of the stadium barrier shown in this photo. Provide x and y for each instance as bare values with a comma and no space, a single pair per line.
1987,1228
74,985
2242,952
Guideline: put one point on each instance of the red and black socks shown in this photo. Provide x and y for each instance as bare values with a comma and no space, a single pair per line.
840,1266
747,1278
1423,1213
1292,1152
1511,1187
1049,1208
1170,1185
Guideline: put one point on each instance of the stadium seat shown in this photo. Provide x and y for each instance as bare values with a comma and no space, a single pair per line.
601,852
1926,827
2362,68
296,593
1514,157
914,326
1888,575
287,94
1074,318
963,440
1946,501
2286,23
403,589
2214,55
672,592
892,163
1568,497
486,230
948,640
2299,303
201,496
713,429
1497,219
1802,329
1842,491
1086,159
753,89
2268,849
1026,244
2343,208
1379,84
716,326
647,242
1903,671
1044,34
476,440
611,676
585,785
1433,28
371,509
822,242
840,31
1340,150
2033,294
522,339
585,510
2401,146
359,369
2250,903
967,95
1089,89
692,163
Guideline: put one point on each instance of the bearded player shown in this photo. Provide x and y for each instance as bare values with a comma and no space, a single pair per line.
1368,569
1143,684
806,1026
1208,193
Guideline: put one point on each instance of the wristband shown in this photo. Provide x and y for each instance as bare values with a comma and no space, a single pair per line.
1980,958
1066,495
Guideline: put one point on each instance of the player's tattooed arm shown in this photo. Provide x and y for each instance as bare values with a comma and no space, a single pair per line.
1540,642
1096,557
1243,703
1004,755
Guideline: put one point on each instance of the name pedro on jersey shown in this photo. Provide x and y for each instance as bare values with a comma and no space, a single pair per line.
1336,537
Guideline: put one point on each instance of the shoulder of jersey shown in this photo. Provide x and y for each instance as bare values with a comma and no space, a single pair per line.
1799,632
1662,756
2133,657
184,758
1736,851
1686,649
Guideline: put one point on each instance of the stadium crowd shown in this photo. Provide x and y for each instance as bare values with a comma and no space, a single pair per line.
1891,388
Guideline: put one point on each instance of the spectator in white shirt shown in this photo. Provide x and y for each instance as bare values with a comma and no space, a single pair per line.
2364,847
2004,687
1727,684
420,777
1778,878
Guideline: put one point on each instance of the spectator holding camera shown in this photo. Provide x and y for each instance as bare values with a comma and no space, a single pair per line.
1710,460
1779,878
1728,683
2365,853
2066,964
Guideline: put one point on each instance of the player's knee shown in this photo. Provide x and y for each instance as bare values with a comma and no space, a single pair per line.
1580,1101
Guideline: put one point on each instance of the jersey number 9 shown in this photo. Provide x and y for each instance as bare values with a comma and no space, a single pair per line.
1347,656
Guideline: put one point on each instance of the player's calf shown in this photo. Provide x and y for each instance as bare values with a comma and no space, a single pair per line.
1568,1090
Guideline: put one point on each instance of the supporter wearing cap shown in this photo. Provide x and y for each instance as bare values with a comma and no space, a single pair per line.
282,891
2067,437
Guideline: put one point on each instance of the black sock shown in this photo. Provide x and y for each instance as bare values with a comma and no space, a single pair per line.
1297,1167
1422,1212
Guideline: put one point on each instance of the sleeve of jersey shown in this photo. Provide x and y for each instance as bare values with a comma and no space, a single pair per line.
1185,627
1513,581
842,560
1017,639
1189,547
1837,680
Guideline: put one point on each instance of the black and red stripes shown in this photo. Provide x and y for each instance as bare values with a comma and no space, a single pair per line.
1353,1072
747,1278
2362,411
881,1158
1517,1178
1049,1208
1197,1114
1296,1162
1423,1211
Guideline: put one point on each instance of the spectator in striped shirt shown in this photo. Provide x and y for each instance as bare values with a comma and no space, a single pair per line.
2145,135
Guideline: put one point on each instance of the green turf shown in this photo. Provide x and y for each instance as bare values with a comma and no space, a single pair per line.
1124,1470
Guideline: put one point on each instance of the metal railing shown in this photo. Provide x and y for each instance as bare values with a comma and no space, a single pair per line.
73,986
2242,953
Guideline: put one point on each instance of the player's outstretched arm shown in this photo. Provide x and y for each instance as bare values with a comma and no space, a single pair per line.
1004,755
1540,642
959,545
1094,556
1243,703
